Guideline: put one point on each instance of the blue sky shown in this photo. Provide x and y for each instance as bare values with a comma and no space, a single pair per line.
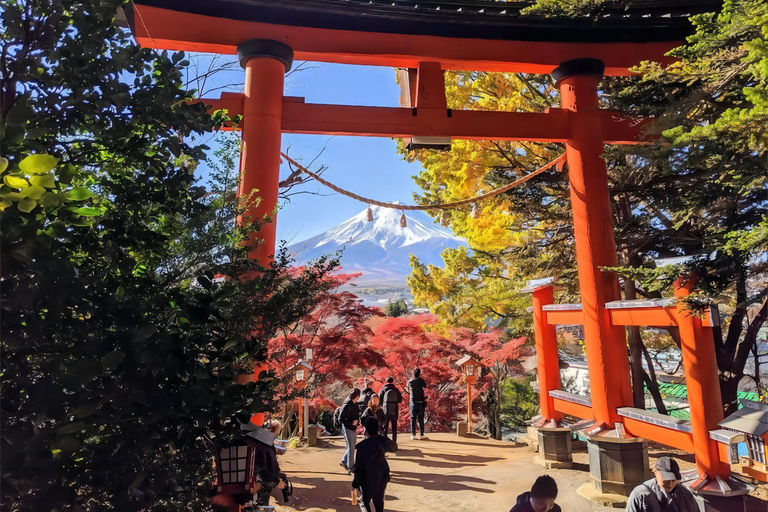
369,166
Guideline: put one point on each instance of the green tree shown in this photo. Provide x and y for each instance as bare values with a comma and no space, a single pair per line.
396,308
118,349
705,194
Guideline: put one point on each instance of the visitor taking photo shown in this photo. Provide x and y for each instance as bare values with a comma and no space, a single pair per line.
418,402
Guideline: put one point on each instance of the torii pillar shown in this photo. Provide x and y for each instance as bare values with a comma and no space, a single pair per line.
614,457
265,62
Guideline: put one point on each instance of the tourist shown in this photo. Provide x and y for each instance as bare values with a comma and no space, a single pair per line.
371,468
541,497
390,399
418,403
373,410
663,492
265,465
365,396
349,418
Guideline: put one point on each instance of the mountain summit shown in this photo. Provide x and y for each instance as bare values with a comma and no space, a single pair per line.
380,249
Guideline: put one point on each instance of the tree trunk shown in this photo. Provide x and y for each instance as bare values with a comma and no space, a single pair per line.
635,351
497,411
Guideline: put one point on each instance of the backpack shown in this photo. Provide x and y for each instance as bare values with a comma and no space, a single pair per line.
388,396
337,417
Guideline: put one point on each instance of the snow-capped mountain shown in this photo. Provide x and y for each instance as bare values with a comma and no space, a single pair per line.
380,249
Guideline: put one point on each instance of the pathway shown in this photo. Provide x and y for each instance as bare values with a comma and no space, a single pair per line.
442,474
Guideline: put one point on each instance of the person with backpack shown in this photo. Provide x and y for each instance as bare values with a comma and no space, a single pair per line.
349,419
371,468
664,492
390,398
418,402
365,397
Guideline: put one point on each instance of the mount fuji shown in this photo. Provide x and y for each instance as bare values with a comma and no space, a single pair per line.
380,249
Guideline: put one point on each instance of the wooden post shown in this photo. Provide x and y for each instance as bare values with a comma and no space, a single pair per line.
547,360
265,63
469,406
700,367
595,247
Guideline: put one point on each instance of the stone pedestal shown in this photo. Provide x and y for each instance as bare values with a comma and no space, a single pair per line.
618,465
312,435
462,429
722,503
554,447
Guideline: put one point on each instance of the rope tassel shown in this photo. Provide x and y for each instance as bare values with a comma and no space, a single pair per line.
475,212
370,214
403,221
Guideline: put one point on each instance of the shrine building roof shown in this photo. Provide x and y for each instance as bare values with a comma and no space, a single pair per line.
460,34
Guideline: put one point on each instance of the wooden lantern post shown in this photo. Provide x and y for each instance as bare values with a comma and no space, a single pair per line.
300,370
470,371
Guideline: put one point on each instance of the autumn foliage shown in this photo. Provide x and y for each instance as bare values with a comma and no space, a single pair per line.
354,345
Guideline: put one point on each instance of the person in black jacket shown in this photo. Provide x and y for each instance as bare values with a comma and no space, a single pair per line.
365,396
350,419
371,468
390,398
418,403
541,497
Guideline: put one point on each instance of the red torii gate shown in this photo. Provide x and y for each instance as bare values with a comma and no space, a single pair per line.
434,36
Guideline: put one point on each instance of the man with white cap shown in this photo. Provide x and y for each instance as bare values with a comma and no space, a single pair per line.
663,493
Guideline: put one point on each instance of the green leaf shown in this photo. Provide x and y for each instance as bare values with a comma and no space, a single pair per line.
33,192
26,205
110,361
3,164
15,182
13,196
88,212
72,428
144,332
50,199
38,164
79,194
46,180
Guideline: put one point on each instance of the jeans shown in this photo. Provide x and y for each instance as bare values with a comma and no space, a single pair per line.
350,438
385,427
417,413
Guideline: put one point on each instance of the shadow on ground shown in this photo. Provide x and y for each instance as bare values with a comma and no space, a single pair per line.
438,482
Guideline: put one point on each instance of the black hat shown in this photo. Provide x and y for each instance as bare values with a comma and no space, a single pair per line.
668,468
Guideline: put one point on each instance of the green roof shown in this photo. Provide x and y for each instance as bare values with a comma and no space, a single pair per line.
681,391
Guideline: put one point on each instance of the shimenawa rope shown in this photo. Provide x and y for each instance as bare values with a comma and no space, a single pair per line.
559,162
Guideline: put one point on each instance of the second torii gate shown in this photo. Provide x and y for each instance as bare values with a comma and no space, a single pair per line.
427,38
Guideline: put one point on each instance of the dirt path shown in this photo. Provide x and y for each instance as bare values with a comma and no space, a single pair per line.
442,474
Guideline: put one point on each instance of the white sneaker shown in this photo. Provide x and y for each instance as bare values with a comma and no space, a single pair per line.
413,437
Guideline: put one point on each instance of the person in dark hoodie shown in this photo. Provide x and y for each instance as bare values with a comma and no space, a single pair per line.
418,403
350,419
541,497
373,409
371,468
390,399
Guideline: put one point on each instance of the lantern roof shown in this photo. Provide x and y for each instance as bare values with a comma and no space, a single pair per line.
751,419
300,364
459,34
468,359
